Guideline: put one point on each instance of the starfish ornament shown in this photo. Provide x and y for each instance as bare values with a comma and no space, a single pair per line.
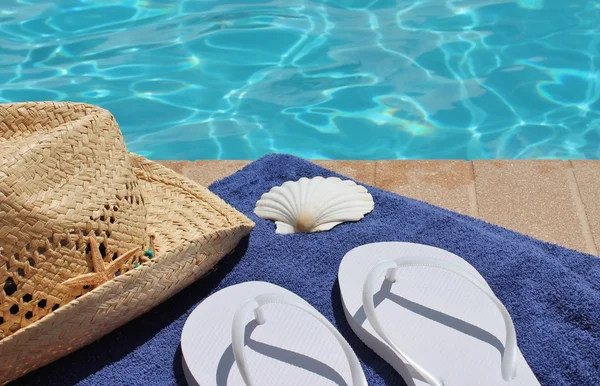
102,273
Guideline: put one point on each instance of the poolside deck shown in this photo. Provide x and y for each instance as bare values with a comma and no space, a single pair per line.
554,201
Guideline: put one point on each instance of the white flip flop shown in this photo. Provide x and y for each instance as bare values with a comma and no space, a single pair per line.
431,316
258,333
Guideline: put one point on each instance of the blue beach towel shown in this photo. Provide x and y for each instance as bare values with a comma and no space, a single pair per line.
552,293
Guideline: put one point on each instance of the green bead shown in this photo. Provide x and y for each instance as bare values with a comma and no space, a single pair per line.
136,265
149,253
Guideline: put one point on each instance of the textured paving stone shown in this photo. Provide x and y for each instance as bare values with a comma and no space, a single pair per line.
587,176
448,184
363,171
536,198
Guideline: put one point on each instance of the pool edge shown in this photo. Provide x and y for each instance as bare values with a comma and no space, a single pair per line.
553,200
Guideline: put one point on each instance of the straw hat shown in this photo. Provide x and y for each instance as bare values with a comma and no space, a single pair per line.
91,236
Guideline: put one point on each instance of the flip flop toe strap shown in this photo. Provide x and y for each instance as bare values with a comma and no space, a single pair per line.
240,320
390,269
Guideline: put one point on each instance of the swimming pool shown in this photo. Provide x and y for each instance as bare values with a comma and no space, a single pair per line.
377,79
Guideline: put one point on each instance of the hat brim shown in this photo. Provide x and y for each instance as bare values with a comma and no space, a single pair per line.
193,230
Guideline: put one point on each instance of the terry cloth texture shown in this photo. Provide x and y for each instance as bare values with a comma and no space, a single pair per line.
552,293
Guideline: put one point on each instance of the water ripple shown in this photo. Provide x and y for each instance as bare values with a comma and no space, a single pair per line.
345,79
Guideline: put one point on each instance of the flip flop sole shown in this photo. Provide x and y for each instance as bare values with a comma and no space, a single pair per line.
438,318
290,348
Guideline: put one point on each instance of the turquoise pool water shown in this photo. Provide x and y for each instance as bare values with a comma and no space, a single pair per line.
237,79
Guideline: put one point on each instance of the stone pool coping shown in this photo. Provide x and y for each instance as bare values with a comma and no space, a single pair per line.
556,201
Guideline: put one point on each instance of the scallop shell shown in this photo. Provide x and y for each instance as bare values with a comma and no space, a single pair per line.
314,205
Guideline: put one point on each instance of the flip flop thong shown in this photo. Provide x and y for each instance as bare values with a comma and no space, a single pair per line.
430,315
257,333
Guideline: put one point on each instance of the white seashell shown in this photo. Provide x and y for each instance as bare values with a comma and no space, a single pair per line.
314,205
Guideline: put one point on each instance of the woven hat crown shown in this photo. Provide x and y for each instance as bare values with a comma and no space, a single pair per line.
64,177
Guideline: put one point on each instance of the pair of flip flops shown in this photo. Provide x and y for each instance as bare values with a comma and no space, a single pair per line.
426,311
